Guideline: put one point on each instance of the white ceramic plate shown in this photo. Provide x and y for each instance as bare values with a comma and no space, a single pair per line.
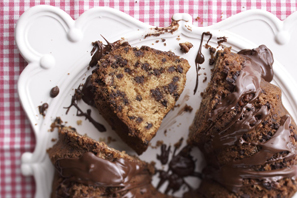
58,52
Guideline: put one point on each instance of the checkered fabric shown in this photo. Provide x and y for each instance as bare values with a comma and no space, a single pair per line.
16,134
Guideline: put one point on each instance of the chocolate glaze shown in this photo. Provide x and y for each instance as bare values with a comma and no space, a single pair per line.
87,93
232,174
76,97
262,57
92,170
200,57
257,67
42,108
54,91
180,166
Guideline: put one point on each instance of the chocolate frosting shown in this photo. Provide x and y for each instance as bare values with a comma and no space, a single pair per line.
92,170
263,58
257,67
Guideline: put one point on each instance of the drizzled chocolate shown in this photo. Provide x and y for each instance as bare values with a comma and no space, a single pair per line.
92,170
257,67
180,166
200,57
76,97
263,58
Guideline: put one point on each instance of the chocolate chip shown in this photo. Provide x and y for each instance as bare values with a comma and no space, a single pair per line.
163,60
131,117
54,91
156,93
157,72
175,79
179,69
126,49
149,125
171,69
136,64
172,88
125,100
139,120
146,66
177,61
121,93
119,76
129,71
138,97
138,53
120,108
164,103
139,79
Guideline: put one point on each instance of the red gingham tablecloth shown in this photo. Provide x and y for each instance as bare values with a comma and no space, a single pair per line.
16,134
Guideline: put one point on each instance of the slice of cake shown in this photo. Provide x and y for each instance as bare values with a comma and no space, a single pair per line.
135,88
247,136
87,168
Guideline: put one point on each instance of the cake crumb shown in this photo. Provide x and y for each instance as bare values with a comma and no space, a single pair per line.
163,40
158,144
164,44
185,47
177,105
54,139
188,108
165,132
42,108
205,79
57,122
102,139
157,41
79,122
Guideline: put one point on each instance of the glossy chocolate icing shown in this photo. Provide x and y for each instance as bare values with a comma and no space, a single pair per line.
263,58
257,67
92,170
